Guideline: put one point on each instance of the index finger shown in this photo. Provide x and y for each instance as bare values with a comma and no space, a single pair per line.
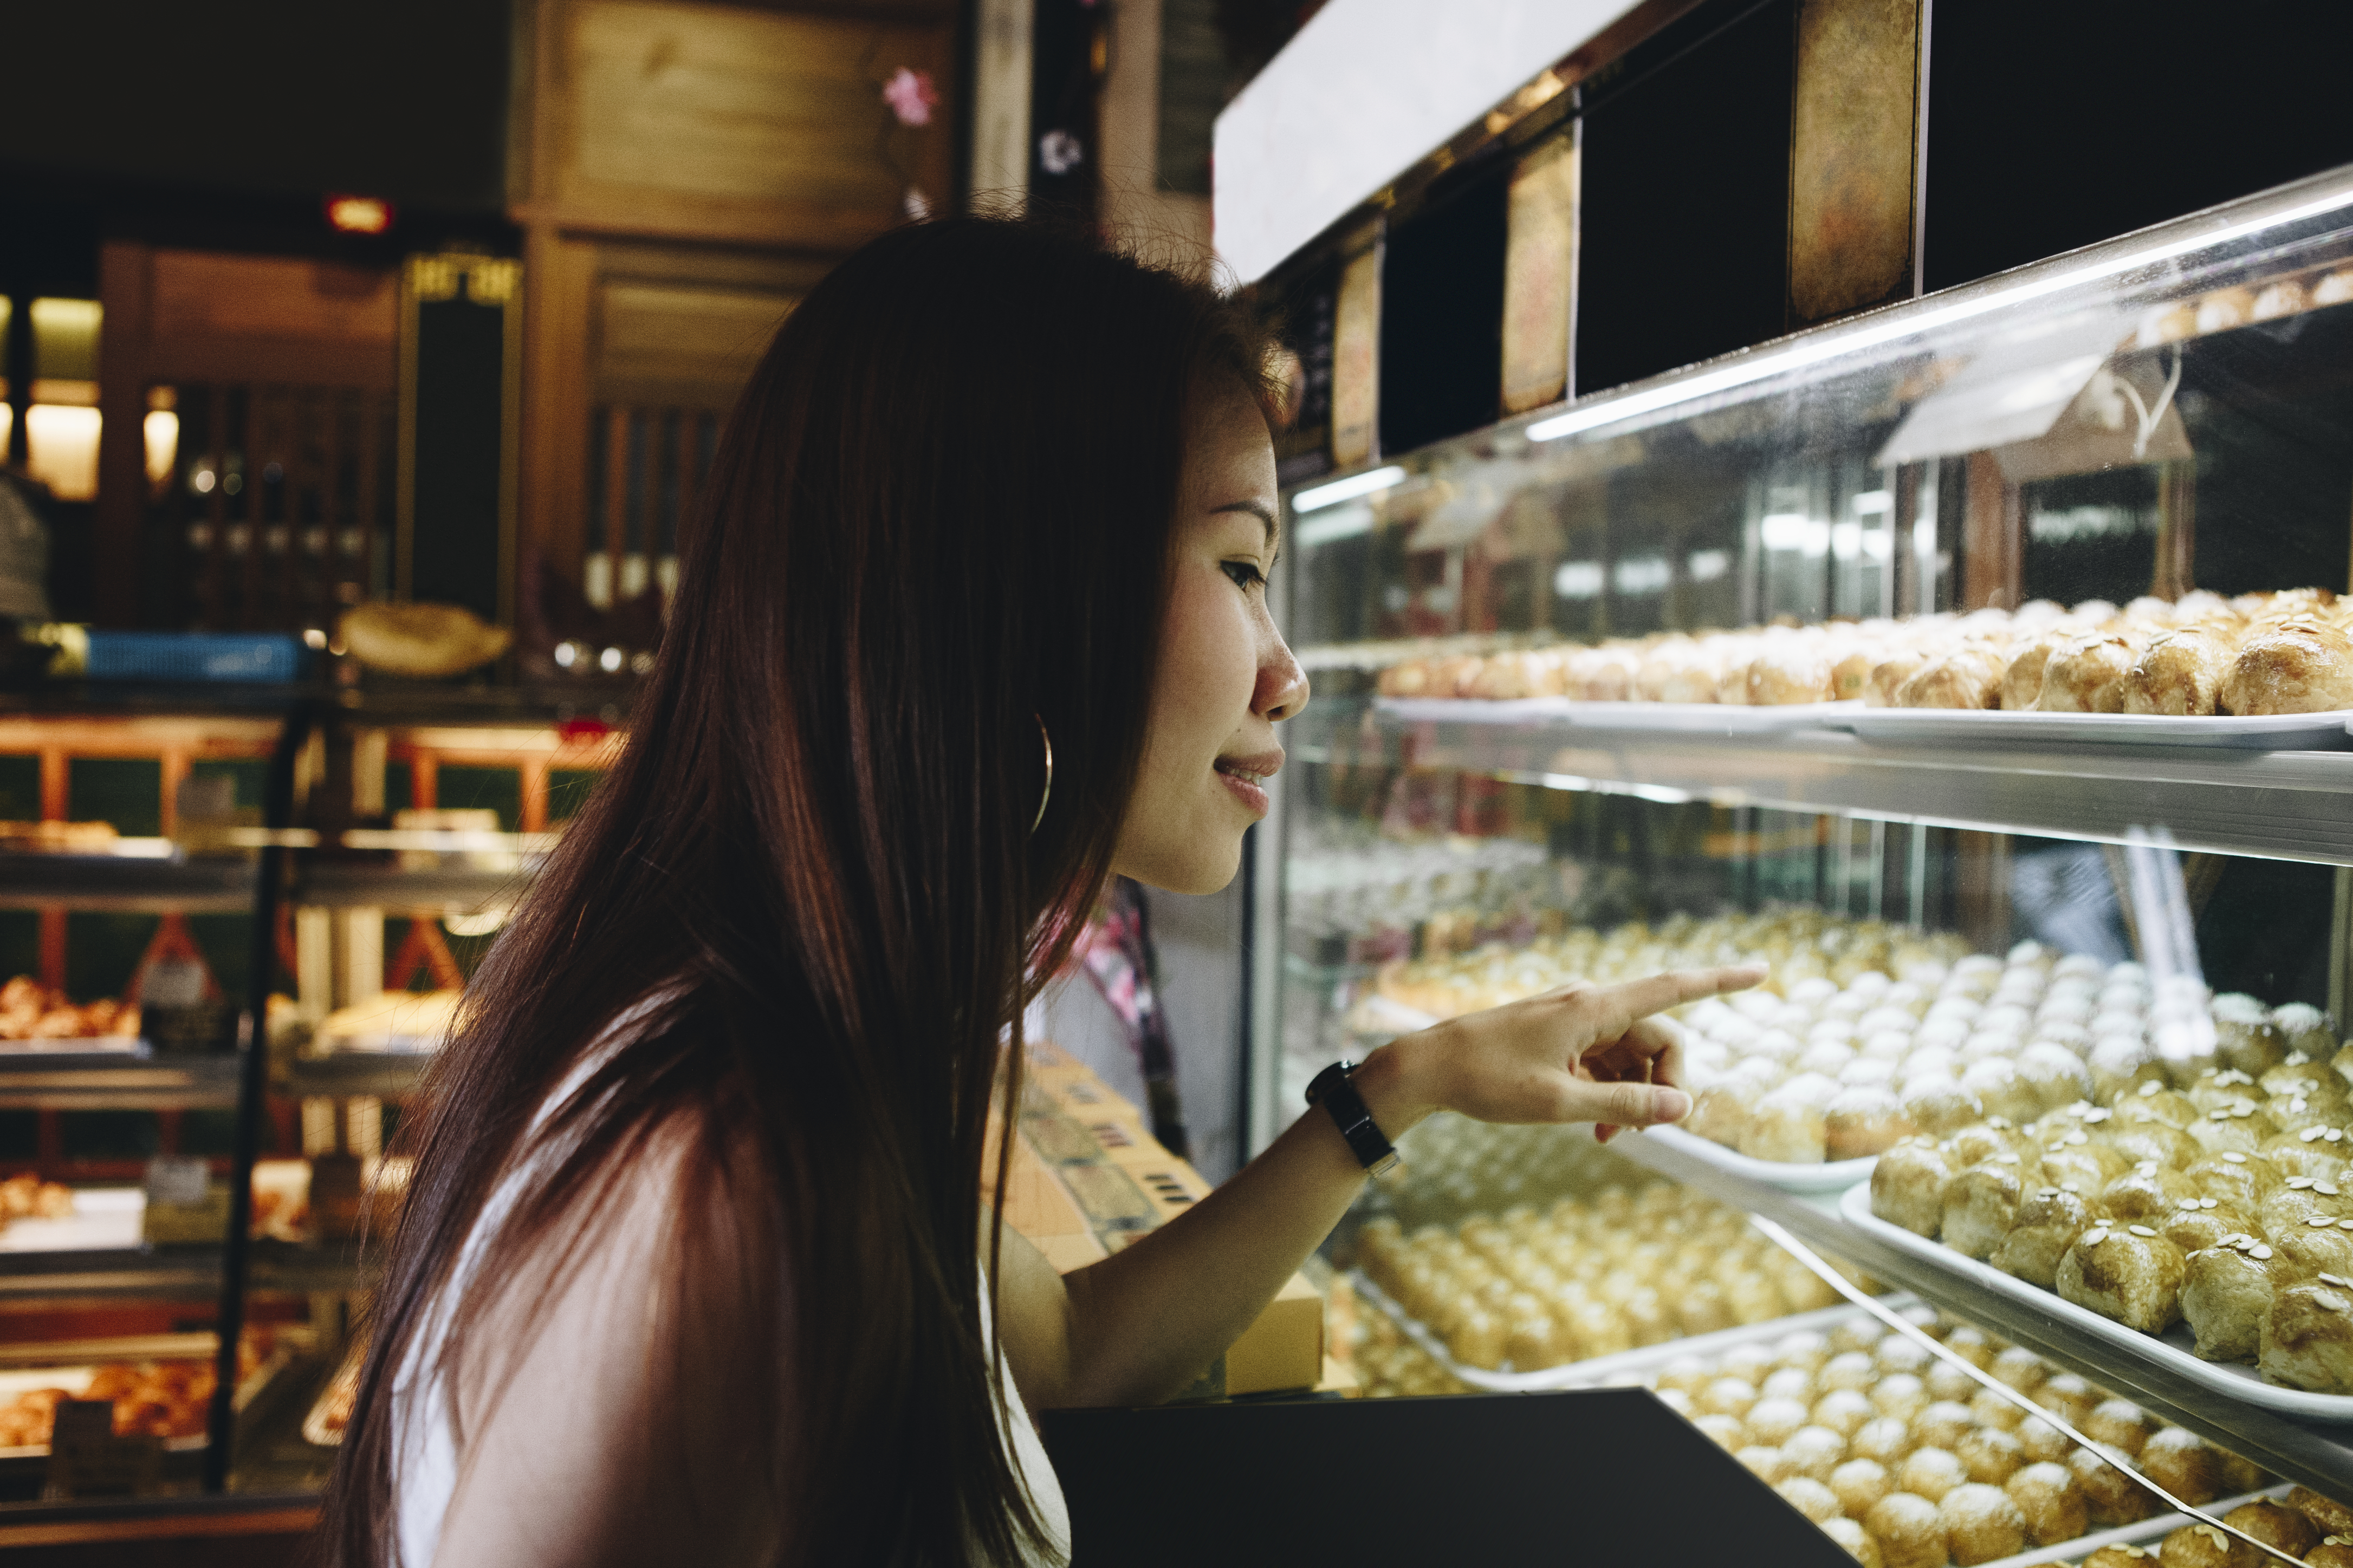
1621,1005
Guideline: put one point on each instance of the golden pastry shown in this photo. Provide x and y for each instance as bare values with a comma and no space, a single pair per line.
1991,1455
1981,1523
2307,1341
2242,1184
1980,1205
2049,1221
1724,1431
2303,667
2122,1556
1769,1464
2126,1272
2183,1463
2332,1553
1851,674
1788,675
2152,1103
1967,677
2050,1502
1861,1121
1884,1441
2203,1546
1930,1473
1858,1484
2226,1295
2276,1526
2148,1192
1973,1345
2086,674
2110,1492
1908,1186
1889,675
2179,672
2196,1229
1810,1497
1991,1409
1943,1424
2154,1143
1815,1450
1854,1540
2021,677
2118,1423
2334,1518
2315,1249
1910,1532
2043,1443
2235,1473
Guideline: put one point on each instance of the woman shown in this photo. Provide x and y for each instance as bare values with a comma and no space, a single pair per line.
697,1263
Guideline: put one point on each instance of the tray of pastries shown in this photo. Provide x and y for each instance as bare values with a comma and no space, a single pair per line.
2138,1227
1547,1298
2270,670
1903,1459
160,1387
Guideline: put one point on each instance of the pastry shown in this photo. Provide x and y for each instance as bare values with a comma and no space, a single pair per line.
2307,1340
1930,1473
1910,1532
1854,1540
1810,1497
2122,1556
2226,1295
1888,675
2049,1501
2303,667
2045,1442
2021,677
1789,675
2126,1272
1991,1455
1943,1424
1884,1441
1981,1523
2110,1493
1967,677
1861,1121
2179,672
1908,1186
2118,1423
1981,1205
2276,1526
2184,1463
2334,1518
2049,1221
2086,674
1858,1484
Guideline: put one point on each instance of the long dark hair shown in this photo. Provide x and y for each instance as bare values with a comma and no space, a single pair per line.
938,521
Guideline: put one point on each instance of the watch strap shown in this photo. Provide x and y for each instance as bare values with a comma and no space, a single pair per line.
1334,1090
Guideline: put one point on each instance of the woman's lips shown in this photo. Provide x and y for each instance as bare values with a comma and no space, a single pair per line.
1246,776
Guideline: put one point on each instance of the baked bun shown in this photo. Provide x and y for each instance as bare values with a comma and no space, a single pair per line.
2179,672
1810,1497
1931,1473
2332,1517
2303,667
1858,1484
1786,675
1967,677
1910,1531
425,640
2050,1502
2226,1295
2110,1492
2307,1340
2021,677
2276,1526
1854,1540
2203,1546
1981,1523
1888,675
2181,1462
2086,674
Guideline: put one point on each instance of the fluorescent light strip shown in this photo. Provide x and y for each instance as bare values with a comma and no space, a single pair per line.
1349,489
1801,355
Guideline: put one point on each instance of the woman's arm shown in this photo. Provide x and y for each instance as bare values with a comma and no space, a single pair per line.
1139,1326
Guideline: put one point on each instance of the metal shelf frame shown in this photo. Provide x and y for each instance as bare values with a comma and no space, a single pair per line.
2280,805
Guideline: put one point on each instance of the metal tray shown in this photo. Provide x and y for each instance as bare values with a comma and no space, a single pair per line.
75,1379
2169,1351
1985,727
1671,717
1832,1176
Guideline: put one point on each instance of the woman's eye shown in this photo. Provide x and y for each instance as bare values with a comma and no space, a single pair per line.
1243,573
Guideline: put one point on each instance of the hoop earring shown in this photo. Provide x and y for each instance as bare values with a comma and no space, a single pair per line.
1047,793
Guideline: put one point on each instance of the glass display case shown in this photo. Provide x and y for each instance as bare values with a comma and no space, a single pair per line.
1978,661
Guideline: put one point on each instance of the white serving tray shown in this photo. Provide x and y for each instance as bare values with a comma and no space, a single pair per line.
1967,726
103,1219
2170,1350
74,1380
1832,1176
1671,717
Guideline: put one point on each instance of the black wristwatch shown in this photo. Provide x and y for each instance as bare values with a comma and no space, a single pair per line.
1333,1090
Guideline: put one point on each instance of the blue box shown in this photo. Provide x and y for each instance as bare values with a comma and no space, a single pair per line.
255,659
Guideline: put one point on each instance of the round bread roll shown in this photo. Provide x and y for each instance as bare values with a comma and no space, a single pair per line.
1814,1451
1947,1383
1810,1497
2110,1492
1884,1441
2180,1461
1900,1394
1728,1396
2118,1423
2334,1518
1991,1455
2276,1526
2068,1395
1930,1473
2050,1502
1991,1409
1943,1425
1788,1383
1908,1184
1803,1349
1767,1465
1981,1523
1858,1484
1848,1369
2302,667
1972,1346
1687,1373
2203,1546
2044,1444
2332,1553
1864,1120
1774,1422
2019,1367
2119,1556
1854,1540
1910,1531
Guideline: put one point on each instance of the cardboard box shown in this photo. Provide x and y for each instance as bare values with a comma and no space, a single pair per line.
1285,1349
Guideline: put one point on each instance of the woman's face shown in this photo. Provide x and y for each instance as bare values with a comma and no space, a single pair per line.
1226,675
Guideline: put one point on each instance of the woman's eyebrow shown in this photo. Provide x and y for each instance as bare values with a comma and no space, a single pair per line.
1257,509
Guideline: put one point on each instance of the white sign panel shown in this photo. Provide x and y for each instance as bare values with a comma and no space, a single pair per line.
1365,89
